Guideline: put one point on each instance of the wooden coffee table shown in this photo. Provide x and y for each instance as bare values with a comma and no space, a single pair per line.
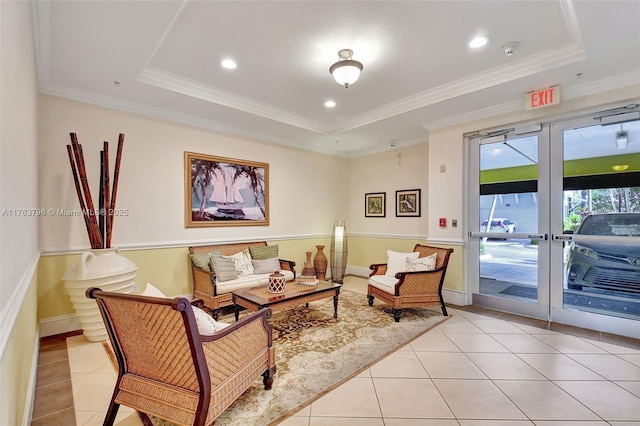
294,294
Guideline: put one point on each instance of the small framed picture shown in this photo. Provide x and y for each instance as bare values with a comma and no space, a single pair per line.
375,204
408,203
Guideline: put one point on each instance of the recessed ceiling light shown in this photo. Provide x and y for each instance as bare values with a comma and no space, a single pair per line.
478,42
228,64
329,104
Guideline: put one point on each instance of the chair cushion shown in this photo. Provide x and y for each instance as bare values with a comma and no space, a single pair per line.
152,291
263,252
397,261
206,324
266,266
224,268
242,262
384,283
427,263
248,281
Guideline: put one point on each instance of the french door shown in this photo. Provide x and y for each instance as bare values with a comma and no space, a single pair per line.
554,220
509,220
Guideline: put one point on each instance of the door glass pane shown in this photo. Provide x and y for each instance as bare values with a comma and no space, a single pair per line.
601,183
508,204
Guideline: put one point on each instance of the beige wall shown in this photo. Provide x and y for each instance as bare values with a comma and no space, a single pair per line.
397,169
151,184
18,190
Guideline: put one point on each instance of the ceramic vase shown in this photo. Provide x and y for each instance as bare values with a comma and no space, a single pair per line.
308,270
277,282
320,263
105,269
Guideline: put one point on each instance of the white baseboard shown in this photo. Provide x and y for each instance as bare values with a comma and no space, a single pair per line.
31,389
59,325
358,271
457,298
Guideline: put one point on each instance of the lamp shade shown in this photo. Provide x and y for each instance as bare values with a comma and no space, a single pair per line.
346,71
338,251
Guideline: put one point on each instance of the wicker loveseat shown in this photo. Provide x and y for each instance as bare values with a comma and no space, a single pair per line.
216,294
411,289
167,369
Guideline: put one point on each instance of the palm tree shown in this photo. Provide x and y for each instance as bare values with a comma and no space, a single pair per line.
256,182
201,180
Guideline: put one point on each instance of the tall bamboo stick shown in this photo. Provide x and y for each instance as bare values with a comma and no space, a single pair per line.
82,172
79,193
100,214
106,210
114,189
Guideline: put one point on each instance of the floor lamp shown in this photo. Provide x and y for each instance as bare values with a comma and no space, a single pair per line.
338,251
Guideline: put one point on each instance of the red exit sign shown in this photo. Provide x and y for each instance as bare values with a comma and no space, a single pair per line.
542,98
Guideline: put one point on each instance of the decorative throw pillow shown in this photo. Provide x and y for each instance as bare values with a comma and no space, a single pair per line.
225,268
152,291
397,261
263,252
201,260
242,262
207,325
266,266
427,263
211,254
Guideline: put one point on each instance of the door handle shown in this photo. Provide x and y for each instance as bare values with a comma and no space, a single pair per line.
562,238
538,237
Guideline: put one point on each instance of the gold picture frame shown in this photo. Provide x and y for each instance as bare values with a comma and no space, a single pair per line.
375,204
222,191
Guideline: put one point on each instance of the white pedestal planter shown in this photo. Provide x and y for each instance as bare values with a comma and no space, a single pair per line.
105,269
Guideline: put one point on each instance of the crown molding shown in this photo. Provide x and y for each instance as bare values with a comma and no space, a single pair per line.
163,114
169,81
499,75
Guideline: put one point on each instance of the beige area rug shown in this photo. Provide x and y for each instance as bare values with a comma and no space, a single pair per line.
315,353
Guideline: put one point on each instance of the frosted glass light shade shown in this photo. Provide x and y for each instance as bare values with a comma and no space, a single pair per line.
346,72
338,251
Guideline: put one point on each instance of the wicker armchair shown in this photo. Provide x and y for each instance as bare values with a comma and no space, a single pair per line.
410,289
168,370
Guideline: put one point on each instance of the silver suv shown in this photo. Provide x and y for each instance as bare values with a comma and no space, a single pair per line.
606,266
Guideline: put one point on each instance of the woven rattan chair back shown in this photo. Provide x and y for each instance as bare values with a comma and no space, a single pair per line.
442,254
166,369
155,338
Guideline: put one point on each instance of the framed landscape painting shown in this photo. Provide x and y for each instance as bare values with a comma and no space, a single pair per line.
375,204
408,203
223,191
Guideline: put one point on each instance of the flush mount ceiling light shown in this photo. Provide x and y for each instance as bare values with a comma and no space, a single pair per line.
346,71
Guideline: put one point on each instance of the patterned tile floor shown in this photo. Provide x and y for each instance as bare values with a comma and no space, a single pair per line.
478,368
